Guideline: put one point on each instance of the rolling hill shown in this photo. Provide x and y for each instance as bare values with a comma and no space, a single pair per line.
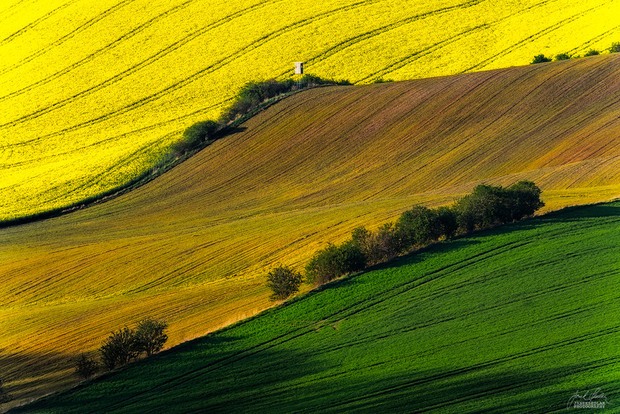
93,92
512,320
192,246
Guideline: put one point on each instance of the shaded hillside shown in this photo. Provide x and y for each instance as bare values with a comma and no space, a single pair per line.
93,92
191,247
514,320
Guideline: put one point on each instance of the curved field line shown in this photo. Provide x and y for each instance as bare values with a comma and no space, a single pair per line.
67,36
281,339
123,162
426,51
421,53
327,53
35,22
163,52
541,33
488,364
116,137
594,39
98,52
519,79
177,85
11,7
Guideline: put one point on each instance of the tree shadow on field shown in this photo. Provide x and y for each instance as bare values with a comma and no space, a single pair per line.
279,377
233,130
26,375
213,373
565,215
470,389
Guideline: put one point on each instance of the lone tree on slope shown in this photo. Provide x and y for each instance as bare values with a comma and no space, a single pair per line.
283,282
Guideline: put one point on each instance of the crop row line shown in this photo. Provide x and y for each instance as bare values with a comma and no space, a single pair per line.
109,139
179,84
67,36
11,7
534,36
135,31
593,40
119,76
485,365
387,28
426,51
35,22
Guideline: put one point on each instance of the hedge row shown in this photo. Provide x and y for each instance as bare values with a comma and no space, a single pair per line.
487,206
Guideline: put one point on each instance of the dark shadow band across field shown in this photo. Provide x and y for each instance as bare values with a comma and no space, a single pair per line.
514,319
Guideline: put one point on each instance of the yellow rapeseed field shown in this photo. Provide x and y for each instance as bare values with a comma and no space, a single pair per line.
92,92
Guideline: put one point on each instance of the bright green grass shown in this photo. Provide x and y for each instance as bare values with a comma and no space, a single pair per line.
515,319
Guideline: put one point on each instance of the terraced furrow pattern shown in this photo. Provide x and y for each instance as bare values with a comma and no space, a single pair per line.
193,245
520,318
74,74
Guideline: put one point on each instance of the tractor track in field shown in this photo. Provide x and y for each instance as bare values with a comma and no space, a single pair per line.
11,7
432,48
486,365
68,36
35,23
127,72
333,50
465,315
421,53
178,84
113,138
384,29
135,31
55,193
533,37
593,40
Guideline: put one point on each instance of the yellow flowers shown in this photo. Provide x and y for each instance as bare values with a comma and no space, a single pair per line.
91,92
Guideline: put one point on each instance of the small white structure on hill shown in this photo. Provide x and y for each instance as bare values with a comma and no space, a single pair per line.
299,68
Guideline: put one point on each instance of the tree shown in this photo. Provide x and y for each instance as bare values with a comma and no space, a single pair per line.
335,261
4,396
592,52
615,47
196,135
525,196
540,59
417,226
562,56
150,336
283,281
119,348
377,247
485,207
446,222
85,366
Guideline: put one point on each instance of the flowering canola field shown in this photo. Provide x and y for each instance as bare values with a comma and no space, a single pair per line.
92,92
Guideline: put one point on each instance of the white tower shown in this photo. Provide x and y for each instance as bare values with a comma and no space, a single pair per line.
299,68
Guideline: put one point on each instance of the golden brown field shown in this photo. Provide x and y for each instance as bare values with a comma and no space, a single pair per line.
92,92
192,246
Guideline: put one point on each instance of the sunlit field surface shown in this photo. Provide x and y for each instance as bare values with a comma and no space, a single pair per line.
514,320
93,92
192,246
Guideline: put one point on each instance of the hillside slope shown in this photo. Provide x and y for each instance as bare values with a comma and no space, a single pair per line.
513,320
191,247
92,92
